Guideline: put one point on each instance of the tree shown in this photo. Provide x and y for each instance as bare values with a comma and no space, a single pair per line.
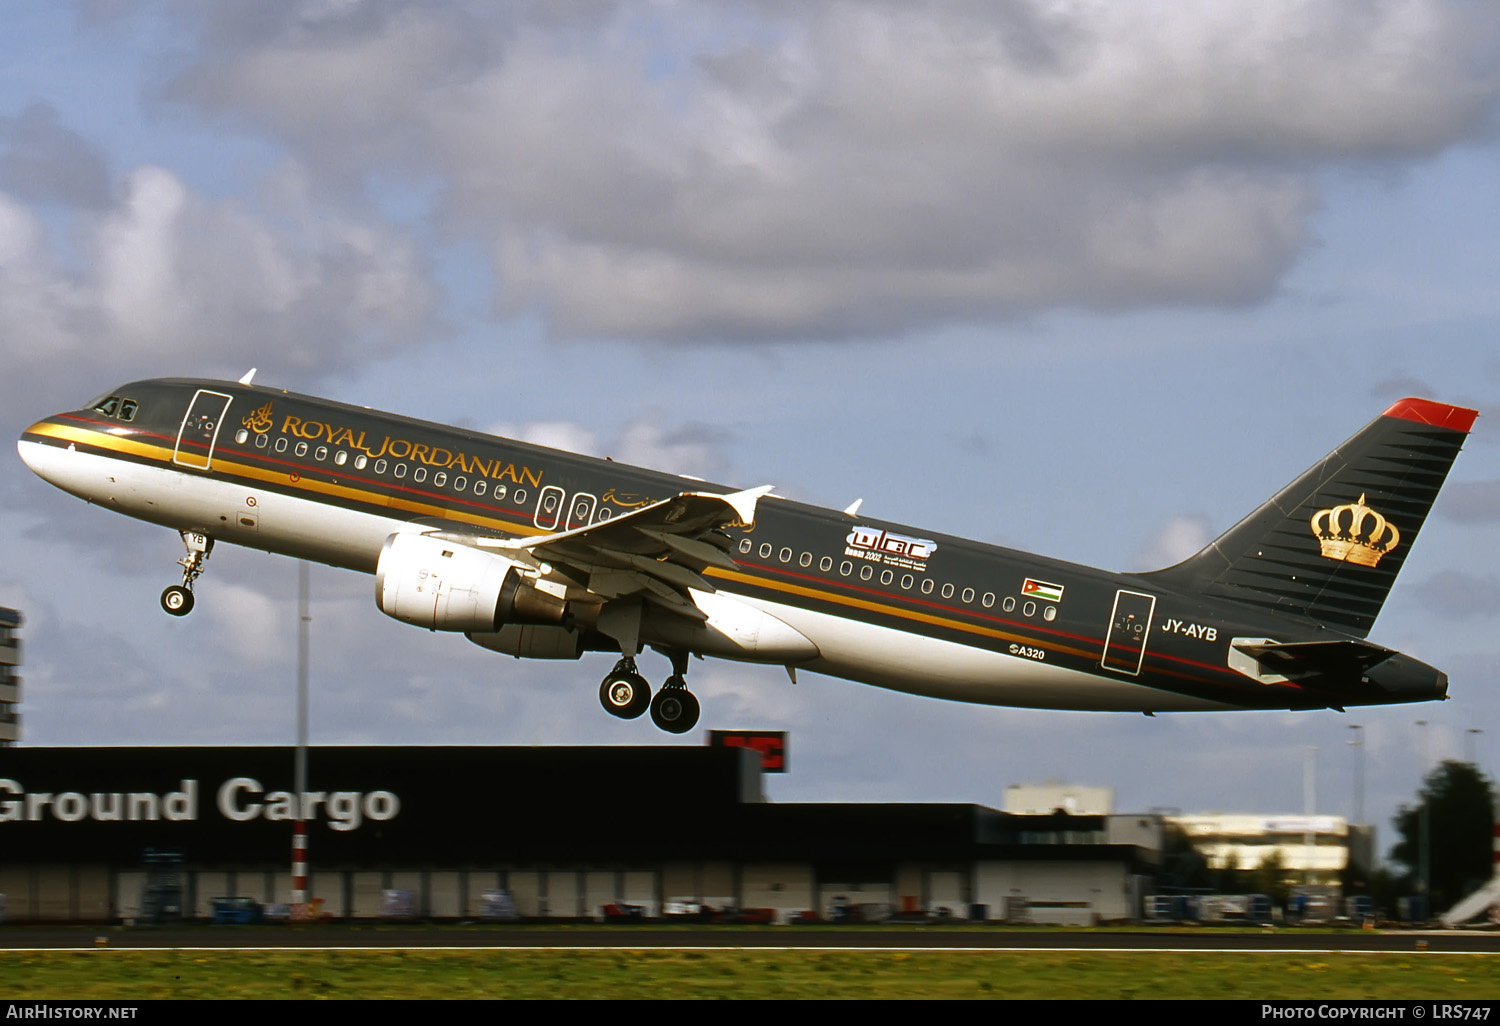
1459,801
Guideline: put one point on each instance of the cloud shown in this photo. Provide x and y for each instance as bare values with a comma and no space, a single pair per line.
760,170
1182,537
1471,502
163,276
42,161
692,449
1462,595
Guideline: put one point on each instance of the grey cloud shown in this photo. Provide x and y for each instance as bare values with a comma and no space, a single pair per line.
790,170
1461,595
1470,502
163,275
42,161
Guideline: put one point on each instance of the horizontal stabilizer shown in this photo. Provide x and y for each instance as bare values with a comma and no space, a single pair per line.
1304,660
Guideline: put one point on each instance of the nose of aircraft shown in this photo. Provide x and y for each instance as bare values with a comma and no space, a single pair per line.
46,460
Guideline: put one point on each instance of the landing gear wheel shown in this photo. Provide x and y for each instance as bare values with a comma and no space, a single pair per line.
624,693
674,709
177,600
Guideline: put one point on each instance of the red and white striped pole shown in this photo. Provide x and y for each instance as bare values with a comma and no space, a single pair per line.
299,909
299,871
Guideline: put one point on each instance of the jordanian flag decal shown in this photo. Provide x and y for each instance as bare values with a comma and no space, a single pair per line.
1042,591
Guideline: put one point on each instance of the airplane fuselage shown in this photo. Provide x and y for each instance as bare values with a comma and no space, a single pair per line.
866,600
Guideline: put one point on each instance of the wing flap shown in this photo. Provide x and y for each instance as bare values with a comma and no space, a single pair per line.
656,553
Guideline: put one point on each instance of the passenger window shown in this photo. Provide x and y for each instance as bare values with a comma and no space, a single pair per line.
1029,609
241,436
805,559
765,550
989,599
261,441
399,470
927,586
360,461
866,572
519,498
745,546
440,478
846,568
281,445
419,475
301,449
460,483
1009,604
886,577
604,514
340,458
907,581
479,487
1050,613
321,454
785,555
825,564
947,591
380,466
968,595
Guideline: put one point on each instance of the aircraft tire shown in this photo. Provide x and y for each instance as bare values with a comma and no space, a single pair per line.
675,710
625,695
177,600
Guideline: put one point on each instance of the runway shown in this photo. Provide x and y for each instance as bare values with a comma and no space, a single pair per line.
810,938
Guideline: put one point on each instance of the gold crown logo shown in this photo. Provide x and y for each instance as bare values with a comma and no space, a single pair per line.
259,420
1354,533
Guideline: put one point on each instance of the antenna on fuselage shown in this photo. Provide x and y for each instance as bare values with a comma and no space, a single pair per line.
248,375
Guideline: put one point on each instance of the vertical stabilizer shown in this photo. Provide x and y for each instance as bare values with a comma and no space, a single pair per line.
1328,546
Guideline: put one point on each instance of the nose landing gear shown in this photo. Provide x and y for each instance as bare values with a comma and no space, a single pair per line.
178,599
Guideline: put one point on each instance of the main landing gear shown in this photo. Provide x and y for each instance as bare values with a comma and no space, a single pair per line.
625,693
178,599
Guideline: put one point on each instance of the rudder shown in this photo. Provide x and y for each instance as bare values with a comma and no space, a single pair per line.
1328,546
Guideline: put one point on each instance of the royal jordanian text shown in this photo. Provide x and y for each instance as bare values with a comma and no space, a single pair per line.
240,799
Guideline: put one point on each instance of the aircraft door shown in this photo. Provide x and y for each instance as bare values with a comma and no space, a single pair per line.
581,511
1129,626
549,508
200,429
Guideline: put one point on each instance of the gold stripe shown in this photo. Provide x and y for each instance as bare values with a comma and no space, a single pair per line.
160,454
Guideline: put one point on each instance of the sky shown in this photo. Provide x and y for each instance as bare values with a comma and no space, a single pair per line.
1085,279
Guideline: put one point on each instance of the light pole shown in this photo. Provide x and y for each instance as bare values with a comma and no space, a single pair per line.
1469,738
1424,869
1358,744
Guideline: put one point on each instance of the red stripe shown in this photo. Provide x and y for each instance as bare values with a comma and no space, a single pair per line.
1425,411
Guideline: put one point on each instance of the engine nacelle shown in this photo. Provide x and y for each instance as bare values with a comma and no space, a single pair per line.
525,641
445,586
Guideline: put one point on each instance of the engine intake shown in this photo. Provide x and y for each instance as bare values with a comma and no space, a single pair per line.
445,586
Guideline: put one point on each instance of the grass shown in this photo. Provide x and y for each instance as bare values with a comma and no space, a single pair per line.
121,974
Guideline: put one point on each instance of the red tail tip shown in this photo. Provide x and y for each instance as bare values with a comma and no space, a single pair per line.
1425,411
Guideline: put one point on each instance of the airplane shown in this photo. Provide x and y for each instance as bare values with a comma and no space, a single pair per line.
542,554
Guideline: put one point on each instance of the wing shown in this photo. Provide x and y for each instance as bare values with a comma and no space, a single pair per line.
655,553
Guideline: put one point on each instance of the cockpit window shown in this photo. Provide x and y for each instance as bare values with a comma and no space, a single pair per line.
115,406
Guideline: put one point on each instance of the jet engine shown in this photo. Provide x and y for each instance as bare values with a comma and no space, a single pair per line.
448,586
